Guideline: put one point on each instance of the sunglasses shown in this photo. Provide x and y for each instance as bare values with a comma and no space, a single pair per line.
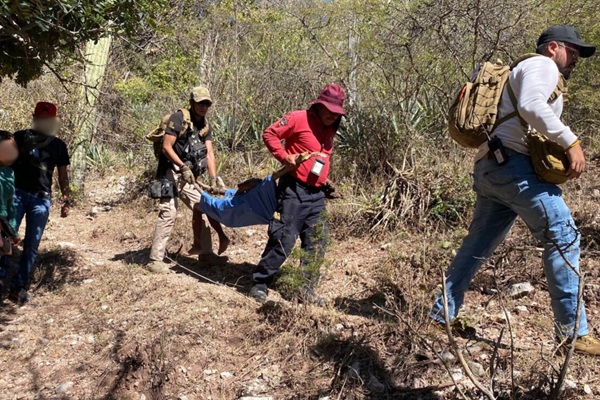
574,53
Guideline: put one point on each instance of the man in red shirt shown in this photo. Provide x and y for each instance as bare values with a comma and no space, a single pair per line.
300,193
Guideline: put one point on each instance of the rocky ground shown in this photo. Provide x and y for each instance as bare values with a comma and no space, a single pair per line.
100,327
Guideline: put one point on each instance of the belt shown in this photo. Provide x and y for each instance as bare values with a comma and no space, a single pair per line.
41,194
304,185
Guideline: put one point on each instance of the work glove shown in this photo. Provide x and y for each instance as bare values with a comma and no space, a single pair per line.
187,175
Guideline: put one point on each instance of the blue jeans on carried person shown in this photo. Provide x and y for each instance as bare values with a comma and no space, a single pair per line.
36,210
503,193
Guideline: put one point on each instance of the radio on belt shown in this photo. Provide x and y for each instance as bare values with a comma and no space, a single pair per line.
317,167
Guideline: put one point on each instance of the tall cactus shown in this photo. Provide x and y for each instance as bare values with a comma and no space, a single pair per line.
96,59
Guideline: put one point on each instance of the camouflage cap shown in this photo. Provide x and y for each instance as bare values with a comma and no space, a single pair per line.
200,93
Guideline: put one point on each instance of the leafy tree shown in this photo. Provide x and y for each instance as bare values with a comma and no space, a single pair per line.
39,33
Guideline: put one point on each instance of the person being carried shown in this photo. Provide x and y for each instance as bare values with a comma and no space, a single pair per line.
184,157
509,189
300,193
40,152
8,212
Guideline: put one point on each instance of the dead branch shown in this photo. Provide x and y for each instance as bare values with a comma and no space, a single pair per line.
454,345
554,394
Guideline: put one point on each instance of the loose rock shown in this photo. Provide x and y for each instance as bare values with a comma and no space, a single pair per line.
254,387
477,369
521,310
447,356
226,375
519,290
63,388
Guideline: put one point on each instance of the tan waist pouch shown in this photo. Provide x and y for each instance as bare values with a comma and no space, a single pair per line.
549,159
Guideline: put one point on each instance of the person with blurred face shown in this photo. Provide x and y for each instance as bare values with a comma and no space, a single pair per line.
300,193
184,158
40,153
511,190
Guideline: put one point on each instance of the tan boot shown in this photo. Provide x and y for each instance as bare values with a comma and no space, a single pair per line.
157,267
588,345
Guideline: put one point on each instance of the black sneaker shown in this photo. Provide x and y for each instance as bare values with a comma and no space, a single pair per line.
18,296
259,293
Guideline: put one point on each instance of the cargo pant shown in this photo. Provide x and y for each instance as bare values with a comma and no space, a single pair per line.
300,210
167,213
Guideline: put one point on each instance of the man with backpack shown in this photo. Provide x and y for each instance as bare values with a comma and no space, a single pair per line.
185,152
40,152
507,185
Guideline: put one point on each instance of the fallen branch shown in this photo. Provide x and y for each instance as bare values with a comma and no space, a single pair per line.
454,346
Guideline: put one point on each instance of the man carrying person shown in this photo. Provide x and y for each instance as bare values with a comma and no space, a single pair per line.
184,157
301,192
513,189
40,152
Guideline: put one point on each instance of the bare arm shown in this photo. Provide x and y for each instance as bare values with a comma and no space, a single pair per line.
167,149
63,182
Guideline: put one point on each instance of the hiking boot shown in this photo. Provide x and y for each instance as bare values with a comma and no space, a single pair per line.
259,293
212,259
157,267
588,345
18,296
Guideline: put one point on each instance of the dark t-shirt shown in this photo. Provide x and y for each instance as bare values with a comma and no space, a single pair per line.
173,128
38,156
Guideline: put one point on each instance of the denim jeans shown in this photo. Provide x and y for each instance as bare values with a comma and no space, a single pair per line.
36,210
503,193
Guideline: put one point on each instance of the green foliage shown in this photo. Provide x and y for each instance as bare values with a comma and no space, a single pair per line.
36,33
135,90
302,267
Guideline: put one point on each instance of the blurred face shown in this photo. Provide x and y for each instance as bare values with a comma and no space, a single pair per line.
327,117
200,109
8,152
565,55
47,126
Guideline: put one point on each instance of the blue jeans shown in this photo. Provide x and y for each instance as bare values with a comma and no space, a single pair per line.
503,193
36,210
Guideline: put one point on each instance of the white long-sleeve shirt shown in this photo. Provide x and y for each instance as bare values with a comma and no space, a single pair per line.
533,81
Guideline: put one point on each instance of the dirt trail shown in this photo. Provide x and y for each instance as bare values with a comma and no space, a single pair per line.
100,327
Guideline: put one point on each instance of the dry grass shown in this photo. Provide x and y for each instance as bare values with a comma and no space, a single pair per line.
99,320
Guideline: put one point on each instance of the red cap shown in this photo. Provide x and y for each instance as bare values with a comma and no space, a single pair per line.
332,97
44,110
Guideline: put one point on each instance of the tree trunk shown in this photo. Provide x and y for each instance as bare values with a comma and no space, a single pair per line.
96,58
